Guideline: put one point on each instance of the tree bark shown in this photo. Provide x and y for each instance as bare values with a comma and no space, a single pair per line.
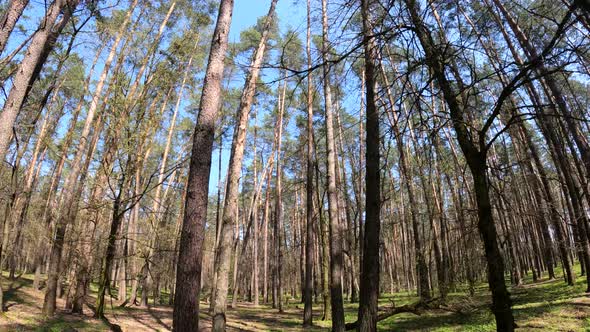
188,270
369,292
8,20
223,258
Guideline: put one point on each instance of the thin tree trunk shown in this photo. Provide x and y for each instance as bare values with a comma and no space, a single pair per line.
254,219
336,255
265,239
278,226
309,220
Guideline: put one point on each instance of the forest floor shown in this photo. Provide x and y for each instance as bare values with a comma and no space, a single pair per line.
547,305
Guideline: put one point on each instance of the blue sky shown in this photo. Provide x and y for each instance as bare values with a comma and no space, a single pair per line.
246,12
292,14
245,15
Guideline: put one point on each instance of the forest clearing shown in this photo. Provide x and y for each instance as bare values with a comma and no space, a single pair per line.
295,165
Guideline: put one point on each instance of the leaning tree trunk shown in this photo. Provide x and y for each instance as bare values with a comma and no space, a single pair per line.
188,270
42,42
69,196
8,21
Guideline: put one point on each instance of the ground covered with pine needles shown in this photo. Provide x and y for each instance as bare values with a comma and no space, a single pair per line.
545,305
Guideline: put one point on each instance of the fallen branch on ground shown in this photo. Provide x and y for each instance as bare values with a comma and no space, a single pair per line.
415,308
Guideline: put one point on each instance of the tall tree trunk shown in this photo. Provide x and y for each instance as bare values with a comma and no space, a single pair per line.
368,310
265,238
309,217
254,219
188,270
336,255
222,260
278,225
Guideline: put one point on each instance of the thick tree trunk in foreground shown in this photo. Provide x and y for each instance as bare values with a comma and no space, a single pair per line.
369,292
188,270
